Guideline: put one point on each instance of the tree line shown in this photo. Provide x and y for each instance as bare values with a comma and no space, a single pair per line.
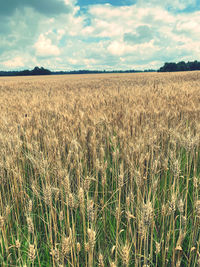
167,67
43,71
180,66
35,71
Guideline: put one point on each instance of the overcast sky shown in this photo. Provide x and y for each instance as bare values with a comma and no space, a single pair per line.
101,34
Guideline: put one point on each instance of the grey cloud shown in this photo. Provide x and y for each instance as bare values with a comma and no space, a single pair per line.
50,6
143,34
4,26
47,7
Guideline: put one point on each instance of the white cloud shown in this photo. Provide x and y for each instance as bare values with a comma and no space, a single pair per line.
148,33
171,36
14,63
89,62
188,25
170,4
118,48
72,61
60,34
45,48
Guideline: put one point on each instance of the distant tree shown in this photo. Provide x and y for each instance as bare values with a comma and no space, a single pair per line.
168,67
195,65
35,71
24,73
40,71
180,66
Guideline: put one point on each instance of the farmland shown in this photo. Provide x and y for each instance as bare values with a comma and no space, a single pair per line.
100,170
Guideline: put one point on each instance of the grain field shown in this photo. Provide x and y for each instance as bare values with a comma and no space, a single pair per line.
100,170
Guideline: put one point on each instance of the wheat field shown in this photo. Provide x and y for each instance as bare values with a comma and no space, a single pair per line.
100,170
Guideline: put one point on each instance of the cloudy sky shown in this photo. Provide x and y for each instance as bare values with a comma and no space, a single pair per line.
101,34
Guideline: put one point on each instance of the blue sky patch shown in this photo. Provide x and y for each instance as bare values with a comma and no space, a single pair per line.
111,2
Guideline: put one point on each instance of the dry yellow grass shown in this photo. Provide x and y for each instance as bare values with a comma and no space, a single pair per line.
100,170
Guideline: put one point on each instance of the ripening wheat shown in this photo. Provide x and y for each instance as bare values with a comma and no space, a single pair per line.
100,170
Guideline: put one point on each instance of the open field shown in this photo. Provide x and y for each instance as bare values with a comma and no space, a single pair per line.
100,170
